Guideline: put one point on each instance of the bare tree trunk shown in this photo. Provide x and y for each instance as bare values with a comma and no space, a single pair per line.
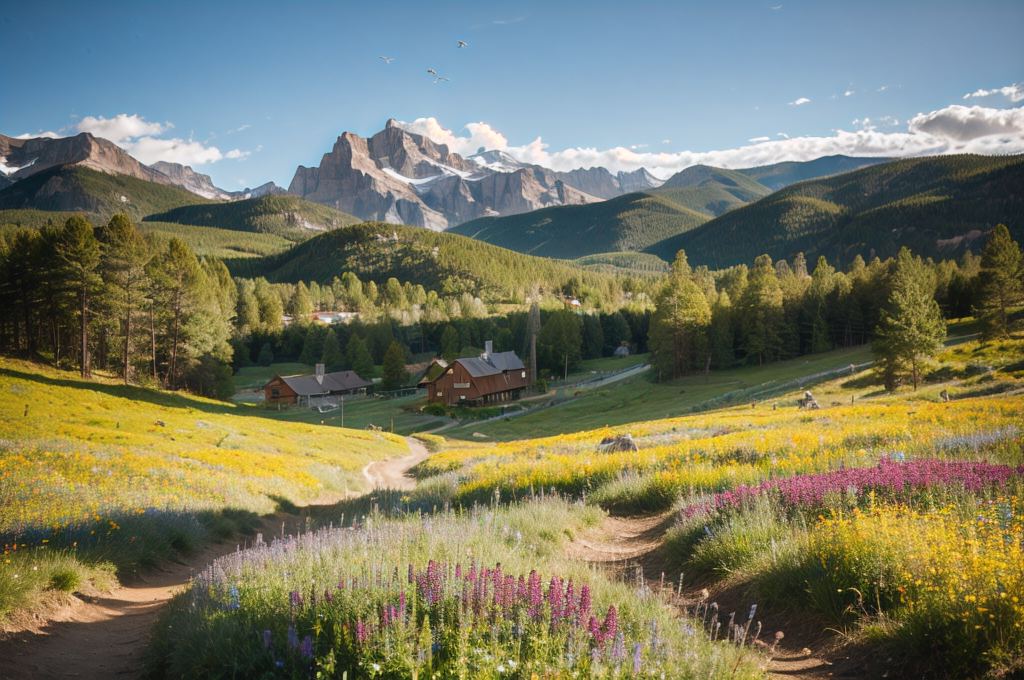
174,346
128,340
152,337
86,367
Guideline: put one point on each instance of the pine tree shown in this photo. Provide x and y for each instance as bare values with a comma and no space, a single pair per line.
450,344
301,303
395,375
1000,284
266,355
678,336
313,347
720,332
333,358
911,329
762,312
560,341
359,359
593,337
79,254
178,279
123,264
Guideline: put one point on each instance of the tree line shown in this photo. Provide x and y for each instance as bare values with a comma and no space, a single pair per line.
117,299
778,310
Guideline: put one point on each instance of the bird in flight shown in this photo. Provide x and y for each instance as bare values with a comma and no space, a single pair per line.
388,60
437,78
462,44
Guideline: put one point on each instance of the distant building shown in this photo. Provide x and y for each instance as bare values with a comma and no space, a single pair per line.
491,378
308,389
334,317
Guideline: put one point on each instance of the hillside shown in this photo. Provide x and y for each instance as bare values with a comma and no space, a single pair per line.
779,175
81,189
630,222
938,207
205,241
630,262
287,216
441,261
711,191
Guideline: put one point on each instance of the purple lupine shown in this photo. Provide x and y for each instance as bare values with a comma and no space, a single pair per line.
555,601
328,595
295,597
521,595
887,476
401,604
571,609
307,647
535,594
584,609
412,574
610,625
594,628
266,639
361,632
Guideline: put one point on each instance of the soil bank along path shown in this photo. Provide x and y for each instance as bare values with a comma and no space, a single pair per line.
106,637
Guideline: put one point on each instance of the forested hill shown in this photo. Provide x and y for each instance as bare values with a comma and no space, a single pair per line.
288,216
441,261
937,206
630,222
76,188
711,191
779,175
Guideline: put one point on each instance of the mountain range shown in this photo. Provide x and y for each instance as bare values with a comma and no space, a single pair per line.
837,206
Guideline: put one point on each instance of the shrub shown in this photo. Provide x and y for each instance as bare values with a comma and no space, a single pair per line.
65,580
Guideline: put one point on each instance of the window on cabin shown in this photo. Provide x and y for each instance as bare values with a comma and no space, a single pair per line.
275,393
524,375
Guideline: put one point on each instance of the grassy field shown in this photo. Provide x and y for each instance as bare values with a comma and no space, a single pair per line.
640,398
481,594
895,518
96,477
363,411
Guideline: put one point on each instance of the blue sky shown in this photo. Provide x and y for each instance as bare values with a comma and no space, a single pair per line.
247,91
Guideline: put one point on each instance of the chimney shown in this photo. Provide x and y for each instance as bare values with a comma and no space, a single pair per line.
320,373
488,348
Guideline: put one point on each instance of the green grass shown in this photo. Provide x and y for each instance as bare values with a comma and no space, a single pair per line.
97,477
363,411
609,364
253,377
779,175
639,398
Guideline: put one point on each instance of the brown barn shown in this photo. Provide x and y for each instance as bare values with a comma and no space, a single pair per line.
299,389
491,378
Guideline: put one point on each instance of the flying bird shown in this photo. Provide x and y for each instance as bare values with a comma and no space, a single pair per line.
462,44
440,78
433,72
388,60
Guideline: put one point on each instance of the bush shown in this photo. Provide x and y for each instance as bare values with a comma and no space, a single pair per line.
65,580
539,386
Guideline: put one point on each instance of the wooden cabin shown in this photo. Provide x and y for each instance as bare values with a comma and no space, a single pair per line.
300,389
491,378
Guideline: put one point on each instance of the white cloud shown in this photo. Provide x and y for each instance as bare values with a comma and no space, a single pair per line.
782,134
666,141
848,93
48,134
142,139
121,128
800,102
954,129
1014,93
758,140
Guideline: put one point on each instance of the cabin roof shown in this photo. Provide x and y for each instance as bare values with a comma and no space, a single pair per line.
491,364
340,381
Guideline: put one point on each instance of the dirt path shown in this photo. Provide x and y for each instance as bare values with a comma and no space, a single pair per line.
631,546
390,474
107,636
